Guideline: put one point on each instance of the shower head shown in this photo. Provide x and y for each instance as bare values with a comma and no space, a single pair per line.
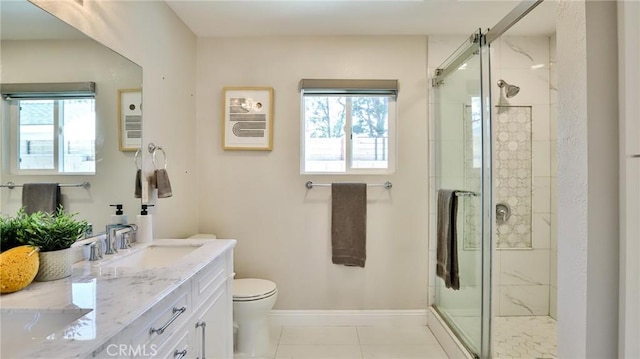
510,90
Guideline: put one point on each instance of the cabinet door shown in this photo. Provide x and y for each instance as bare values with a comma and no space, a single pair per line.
217,331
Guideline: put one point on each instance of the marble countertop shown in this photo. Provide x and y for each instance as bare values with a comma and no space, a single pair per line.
115,295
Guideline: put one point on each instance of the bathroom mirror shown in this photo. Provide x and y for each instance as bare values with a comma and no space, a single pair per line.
40,48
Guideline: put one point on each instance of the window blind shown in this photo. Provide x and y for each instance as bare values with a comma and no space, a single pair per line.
348,87
58,90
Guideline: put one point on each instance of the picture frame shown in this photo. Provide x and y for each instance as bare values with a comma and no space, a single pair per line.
129,119
247,118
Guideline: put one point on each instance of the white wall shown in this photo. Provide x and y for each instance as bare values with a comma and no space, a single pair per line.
283,229
629,82
151,35
78,61
588,155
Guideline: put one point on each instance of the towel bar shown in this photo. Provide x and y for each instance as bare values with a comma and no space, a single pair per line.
86,185
153,149
467,194
310,185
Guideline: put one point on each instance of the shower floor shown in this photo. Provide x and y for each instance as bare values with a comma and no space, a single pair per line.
524,337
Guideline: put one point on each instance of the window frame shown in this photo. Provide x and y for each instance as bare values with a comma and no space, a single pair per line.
14,137
351,91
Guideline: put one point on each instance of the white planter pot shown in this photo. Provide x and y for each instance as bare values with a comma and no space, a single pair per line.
54,265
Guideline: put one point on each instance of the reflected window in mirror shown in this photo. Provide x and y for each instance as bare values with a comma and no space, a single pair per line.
53,136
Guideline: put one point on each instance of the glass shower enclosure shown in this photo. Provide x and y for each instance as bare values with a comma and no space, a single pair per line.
462,154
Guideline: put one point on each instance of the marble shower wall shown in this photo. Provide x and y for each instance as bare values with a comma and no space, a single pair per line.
524,279
522,264
553,95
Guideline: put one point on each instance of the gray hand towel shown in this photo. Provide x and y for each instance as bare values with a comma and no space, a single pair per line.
349,223
162,183
447,247
44,197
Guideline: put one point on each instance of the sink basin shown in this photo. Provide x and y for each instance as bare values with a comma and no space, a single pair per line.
152,256
19,327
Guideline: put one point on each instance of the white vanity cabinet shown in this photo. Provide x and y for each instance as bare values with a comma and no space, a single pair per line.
212,319
193,321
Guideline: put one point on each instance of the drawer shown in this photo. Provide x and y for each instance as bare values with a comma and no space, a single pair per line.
165,318
177,347
210,278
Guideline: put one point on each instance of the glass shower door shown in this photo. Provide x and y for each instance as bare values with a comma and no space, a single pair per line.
462,155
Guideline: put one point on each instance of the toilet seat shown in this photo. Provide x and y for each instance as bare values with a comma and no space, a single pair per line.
250,289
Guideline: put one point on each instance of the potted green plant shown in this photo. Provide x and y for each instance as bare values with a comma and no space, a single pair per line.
9,229
53,233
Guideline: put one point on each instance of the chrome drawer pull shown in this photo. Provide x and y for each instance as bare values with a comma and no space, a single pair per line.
180,355
204,350
176,314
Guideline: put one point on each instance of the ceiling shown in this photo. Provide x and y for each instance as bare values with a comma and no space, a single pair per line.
223,18
21,20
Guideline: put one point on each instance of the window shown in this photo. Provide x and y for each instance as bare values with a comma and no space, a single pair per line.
348,129
52,133
476,131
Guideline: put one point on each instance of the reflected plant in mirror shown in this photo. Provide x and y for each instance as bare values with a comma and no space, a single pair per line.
58,136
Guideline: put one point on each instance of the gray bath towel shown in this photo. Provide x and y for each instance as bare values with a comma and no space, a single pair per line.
447,247
138,191
45,197
162,183
349,223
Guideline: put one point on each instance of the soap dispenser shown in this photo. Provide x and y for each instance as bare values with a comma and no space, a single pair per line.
145,225
119,217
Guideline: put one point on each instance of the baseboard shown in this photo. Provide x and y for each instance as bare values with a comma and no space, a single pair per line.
449,342
337,318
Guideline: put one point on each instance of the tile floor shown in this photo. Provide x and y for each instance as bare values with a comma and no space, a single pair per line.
353,342
525,337
514,337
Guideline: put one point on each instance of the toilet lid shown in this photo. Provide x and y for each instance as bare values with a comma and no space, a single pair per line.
252,289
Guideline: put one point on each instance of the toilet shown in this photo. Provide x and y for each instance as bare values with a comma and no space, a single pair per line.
252,300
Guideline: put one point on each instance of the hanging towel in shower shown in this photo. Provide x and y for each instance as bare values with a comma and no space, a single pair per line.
447,248
44,197
162,183
349,223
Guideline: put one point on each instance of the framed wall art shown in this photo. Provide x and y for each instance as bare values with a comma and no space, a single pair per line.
130,119
247,118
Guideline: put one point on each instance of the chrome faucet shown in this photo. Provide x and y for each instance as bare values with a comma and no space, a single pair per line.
115,230
95,250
